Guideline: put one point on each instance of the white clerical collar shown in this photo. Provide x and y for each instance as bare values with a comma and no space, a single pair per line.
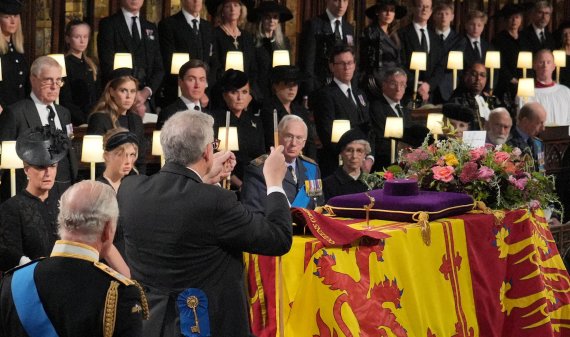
75,250
189,17
332,17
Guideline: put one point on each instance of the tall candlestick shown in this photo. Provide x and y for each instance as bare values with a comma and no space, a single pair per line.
275,129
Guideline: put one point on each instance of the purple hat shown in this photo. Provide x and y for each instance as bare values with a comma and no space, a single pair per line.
401,200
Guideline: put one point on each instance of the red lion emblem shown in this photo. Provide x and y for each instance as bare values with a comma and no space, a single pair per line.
374,319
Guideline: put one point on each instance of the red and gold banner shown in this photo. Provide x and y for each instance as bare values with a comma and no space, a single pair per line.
478,277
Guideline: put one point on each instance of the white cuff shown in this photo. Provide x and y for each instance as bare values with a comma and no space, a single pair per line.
24,260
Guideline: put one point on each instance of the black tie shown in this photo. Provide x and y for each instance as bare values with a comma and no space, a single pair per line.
51,119
400,111
477,50
349,94
337,35
542,37
442,37
423,42
135,31
292,170
195,26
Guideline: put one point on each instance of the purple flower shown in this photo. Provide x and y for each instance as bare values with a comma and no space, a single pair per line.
518,183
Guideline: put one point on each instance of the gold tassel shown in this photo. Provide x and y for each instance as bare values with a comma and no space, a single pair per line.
480,205
110,311
144,302
422,219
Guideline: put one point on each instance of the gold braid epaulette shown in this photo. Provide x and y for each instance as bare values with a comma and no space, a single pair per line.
110,311
144,302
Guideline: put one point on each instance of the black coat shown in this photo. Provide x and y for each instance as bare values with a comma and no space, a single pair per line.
251,137
169,111
81,90
272,104
178,36
470,56
181,233
378,50
100,122
435,58
454,42
509,48
23,115
28,227
317,41
75,306
340,183
114,37
330,103
533,41
15,84
264,61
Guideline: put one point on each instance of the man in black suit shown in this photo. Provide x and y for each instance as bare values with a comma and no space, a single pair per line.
38,110
127,32
475,47
388,105
193,82
320,35
338,100
443,15
185,32
292,135
90,298
418,37
530,123
185,235
536,34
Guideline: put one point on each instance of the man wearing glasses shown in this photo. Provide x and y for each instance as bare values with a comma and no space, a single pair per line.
38,110
341,99
293,136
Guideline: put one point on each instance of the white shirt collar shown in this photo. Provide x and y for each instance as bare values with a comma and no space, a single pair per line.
332,17
417,28
473,39
445,33
198,174
37,100
128,19
189,17
76,250
189,103
538,30
343,86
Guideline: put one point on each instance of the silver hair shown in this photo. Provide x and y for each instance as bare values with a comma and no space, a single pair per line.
366,144
84,209
390,72
41,63
288,119
498,111
185,136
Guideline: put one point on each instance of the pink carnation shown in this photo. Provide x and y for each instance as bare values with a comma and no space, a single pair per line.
388,175
477,153
443,173
485,173
417,155
501,157
518,183
469,172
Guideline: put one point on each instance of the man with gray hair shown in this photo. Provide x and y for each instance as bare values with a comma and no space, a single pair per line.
184,236
536,33
498,126
38,110
293,136
90,298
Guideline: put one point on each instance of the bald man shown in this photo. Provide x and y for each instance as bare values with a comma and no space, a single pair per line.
530,124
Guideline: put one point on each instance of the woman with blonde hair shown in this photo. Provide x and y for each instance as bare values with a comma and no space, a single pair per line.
121,149
114,109
15,71
82,86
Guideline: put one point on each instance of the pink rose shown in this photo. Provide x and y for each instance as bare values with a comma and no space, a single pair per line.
477,153
469,172
443,173
518,183
485,173
388,175
501,157
517,152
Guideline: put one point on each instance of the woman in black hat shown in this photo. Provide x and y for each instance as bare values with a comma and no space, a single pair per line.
82,86
229,35
115,109
236,95
268,35
284,87
28,226
15,70
380,46
510,42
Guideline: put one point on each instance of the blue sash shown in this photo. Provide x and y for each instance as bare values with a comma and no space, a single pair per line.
28,304
302,199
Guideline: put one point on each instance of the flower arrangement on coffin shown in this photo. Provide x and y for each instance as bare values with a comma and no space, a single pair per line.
501,176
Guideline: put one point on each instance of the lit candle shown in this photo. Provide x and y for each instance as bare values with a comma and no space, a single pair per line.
492,61
559,61
418,62
524,61
393,129
455,62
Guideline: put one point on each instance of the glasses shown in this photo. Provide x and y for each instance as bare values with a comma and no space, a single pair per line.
396,85
348,64
354,151
215,144
51,81
290,138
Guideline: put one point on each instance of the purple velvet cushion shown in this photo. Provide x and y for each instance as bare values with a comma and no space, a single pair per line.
398,207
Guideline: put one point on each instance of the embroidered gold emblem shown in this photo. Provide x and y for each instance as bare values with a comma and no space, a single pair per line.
192,303
136,309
